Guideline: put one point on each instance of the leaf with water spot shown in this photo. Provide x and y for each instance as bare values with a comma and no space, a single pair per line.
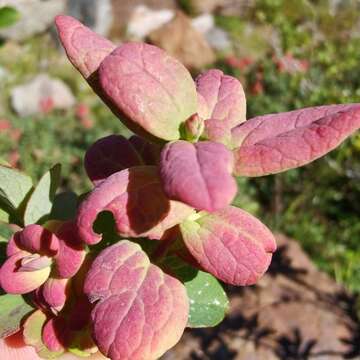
208,300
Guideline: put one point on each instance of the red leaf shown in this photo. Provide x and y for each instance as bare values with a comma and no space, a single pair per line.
231,244
84,48
109,155
149,152
71,251
141,312
273,143
221,99
149,89
136,199
198,174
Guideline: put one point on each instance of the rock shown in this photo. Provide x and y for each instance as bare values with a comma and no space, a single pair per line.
179,38
36,17
143,21
295,312
97,14
41,94
219,39
122,10
203,23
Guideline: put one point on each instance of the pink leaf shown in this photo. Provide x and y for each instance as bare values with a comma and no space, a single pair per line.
85,49
34,262
71,251
138,203
151,92
231,244
198,174
34,239
151,307
222,99
273,143
109,155
54,334
55,292
12,247
14,281
149,89
149,152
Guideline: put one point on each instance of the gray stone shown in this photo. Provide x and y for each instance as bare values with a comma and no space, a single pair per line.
36,17
97,14
122,10
203,23
219,39
144,20
42,91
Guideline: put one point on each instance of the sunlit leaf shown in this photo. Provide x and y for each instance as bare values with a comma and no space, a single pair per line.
41,200
151,307
13,309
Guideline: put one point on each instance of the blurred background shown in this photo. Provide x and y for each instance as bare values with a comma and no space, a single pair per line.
287,54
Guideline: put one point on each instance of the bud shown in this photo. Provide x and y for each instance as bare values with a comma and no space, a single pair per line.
194,127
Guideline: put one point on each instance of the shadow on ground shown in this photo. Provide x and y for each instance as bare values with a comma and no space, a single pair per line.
295,312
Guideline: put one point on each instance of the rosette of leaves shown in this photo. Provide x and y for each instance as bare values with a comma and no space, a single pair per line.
42,266
158,223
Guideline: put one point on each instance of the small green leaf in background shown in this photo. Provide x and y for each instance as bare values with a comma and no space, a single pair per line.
8,16
41,200
208,301
4,216
13,309
64,206
14,186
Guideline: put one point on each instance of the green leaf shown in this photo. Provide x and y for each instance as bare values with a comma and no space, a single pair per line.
4,216
64,206
208,301
13,309
41,200
14,187
8,16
